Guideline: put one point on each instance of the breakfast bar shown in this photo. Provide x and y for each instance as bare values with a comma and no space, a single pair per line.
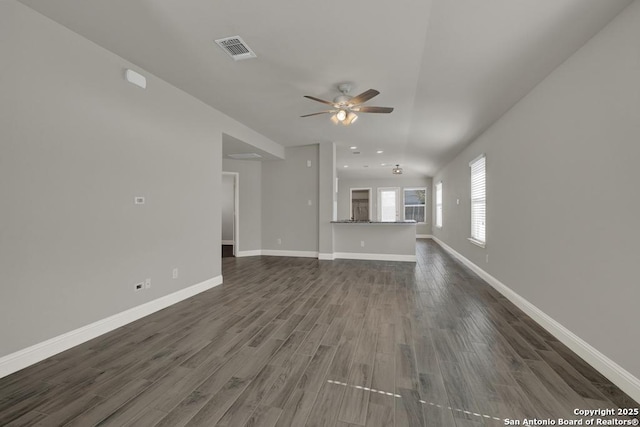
375,240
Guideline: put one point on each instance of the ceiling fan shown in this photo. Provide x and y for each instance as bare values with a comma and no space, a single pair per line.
345,106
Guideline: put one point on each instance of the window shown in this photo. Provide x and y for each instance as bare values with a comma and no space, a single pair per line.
439,204
478,201
415,204
388,204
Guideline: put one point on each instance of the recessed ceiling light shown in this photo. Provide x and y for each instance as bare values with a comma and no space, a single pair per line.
346,166
383,164
353,147
379,152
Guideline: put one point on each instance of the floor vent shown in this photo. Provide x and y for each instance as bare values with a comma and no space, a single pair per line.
236,48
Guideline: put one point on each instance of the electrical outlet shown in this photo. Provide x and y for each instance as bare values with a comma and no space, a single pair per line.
362,243
147,284
174,274
308,163
309,202
138,287
138,200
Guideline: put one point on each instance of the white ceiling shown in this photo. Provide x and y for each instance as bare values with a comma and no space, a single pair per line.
450,68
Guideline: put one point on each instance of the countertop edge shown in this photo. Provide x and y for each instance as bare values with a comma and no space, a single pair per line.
376,222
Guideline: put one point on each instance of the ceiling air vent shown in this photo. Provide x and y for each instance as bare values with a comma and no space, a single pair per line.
236,48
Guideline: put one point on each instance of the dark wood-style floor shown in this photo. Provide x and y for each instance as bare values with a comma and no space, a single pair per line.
302,342
227,251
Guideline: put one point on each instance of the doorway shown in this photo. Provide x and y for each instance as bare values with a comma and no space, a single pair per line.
360,204
230,215
389,204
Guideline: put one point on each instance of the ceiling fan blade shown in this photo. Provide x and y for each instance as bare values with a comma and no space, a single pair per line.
319,100
315,114
375,109
363,97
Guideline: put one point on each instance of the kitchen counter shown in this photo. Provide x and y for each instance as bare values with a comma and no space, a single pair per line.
374,240
349,221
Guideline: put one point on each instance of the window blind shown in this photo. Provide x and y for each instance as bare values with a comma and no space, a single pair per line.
478,199
439,204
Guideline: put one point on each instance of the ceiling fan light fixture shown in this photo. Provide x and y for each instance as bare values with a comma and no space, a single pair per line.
346,106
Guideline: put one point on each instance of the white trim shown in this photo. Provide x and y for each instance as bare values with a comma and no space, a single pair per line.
227,242
397,190
424,236
328,257
256,252
236,212
477,242
21,359
607,367
300,254
374,257
404,205
438,191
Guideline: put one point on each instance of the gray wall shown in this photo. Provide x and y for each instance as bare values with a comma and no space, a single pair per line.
287,186
77,144
250,201
344,186
227,199
562,194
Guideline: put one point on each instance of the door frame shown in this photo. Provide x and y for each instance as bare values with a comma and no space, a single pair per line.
351,190
236,211
397,190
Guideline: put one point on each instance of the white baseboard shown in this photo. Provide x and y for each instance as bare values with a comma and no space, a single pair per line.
424,236
328,256
300,254
374,257
256,252
607,367
228,242
21,359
